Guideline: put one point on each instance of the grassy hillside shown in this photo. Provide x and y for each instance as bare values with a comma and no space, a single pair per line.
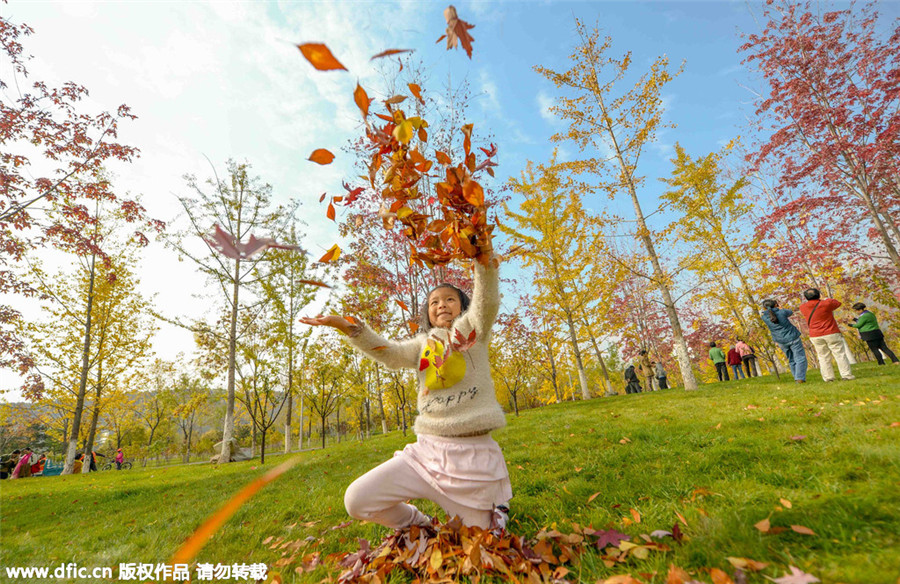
723,458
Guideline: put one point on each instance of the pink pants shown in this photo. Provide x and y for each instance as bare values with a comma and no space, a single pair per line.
380,496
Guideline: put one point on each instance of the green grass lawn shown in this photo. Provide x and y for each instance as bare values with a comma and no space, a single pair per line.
723,457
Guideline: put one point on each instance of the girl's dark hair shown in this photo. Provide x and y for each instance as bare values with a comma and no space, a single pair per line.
424,322
770,306
712,344
859,306
812,294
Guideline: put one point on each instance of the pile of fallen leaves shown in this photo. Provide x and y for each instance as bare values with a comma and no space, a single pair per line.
445,553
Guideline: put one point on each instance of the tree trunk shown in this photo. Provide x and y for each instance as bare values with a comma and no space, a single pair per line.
95,413
82,381
659,275
287,423
262,450
384,424
323,431
579,365
228,430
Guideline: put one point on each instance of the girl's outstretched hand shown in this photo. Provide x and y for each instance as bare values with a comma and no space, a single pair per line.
334,321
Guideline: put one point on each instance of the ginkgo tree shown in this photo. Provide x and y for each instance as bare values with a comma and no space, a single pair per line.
614,128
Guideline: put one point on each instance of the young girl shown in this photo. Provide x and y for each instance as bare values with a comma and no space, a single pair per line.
454,461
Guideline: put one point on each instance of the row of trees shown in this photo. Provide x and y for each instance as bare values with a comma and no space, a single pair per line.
814,201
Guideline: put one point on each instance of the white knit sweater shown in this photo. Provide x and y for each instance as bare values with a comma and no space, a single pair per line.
456,393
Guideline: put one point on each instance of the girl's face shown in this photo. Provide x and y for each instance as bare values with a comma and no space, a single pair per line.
443,307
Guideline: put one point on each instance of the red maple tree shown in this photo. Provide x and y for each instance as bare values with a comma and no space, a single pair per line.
51,178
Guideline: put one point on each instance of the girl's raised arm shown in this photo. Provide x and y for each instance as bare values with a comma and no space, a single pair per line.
393,354
485,302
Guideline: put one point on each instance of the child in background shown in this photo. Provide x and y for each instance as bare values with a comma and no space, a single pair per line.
454,462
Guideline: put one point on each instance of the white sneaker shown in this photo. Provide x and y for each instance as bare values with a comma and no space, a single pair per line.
499,517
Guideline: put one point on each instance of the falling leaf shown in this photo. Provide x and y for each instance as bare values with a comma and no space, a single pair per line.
402,305
786,503
320,57
796,576
457,31
321,156
362,100
763,525
229,246
417,91
330,212
803,530
188,550
322,198
314,283
413,326
351,320
333,253
390,52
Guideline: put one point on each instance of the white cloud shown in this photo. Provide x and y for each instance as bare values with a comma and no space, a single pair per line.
545,101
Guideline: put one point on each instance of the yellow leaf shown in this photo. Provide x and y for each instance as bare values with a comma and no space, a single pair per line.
436,559
786,503
594,496
763,525
404,132
803,530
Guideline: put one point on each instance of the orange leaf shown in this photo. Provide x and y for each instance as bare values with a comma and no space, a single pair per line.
417,91
803,530
594,496
379,348
330,212
681,518
322,198
636,515
458,31
362,100
413,326
786,503
390,52
350,319
320,57
402,305
473,193
763,525
677,575
333,253
321,156
442,158
720,577
188,550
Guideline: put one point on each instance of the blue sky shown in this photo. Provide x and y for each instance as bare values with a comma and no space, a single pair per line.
223,79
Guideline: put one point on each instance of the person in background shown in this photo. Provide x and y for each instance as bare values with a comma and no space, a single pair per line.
867,325
718,359
825,334
94,455
734,360
661,375
787,337
23,467
748,357
120,458
9,463
646,368
37,469
632,383
79,464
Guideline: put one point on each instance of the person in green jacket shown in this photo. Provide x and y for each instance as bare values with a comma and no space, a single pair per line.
718,359
867,325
